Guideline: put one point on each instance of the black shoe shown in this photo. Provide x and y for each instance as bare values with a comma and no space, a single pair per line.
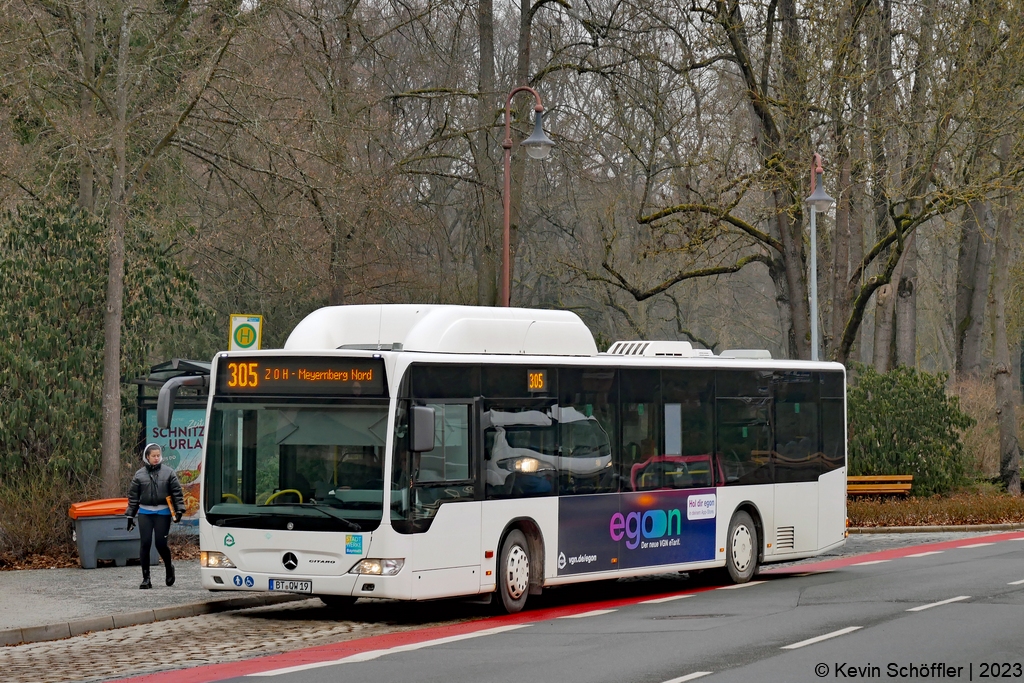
145,580
170,574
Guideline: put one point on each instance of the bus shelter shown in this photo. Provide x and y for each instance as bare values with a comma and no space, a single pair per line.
182,442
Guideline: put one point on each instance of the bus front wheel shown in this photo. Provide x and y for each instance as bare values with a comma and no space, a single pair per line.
514,568
741,548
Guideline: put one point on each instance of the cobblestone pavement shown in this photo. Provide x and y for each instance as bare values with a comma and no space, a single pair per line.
213,638
245,634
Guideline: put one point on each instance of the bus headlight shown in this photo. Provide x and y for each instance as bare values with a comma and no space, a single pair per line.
388,567
215,560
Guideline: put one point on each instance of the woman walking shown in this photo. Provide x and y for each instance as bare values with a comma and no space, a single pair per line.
152,488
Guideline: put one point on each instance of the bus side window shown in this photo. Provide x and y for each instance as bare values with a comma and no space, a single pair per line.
689,405
400,470
588,416
833,427
640,465
744,440
422,482
797,452
449,461
520,448
443,474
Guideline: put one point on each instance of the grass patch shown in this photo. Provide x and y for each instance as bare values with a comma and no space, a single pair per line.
982,506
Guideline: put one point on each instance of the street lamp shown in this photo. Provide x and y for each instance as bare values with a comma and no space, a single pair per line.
538,146
818,201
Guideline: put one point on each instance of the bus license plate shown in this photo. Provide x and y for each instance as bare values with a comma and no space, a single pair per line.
290,586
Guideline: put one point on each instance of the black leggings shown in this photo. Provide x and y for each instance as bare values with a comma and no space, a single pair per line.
161,524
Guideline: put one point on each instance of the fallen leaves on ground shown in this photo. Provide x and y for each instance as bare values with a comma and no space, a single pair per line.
954,510
181,549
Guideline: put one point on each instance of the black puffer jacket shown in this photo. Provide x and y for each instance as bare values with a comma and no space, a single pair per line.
151,486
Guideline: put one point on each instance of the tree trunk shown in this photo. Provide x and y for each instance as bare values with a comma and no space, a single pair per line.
795,141
487,229
858,218
972,273
884,311
880,93
1002,370
340,264
110,463
840,252
777,272
974,326
906,306
916,178
521,108
86,193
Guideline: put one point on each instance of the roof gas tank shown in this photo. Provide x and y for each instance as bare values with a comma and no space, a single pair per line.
444,329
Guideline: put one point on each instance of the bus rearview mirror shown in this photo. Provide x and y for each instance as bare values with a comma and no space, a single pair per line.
168,392
421,429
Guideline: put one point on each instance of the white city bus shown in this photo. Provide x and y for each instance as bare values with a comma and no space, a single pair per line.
421,452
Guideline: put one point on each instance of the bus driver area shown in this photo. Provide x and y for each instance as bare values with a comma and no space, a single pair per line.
419,452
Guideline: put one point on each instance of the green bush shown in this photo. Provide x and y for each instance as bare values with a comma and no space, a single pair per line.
53,279
904,422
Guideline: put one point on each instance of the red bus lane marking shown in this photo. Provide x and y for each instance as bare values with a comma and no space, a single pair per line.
217,672
348,648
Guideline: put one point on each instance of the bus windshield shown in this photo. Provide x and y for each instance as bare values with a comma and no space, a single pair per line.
296,466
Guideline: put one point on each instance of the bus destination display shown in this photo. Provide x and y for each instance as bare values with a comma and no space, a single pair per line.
318,376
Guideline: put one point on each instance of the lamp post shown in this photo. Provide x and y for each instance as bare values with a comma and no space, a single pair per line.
538,146
817,201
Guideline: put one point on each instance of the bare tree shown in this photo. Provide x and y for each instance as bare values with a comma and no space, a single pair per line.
1002,370
124,107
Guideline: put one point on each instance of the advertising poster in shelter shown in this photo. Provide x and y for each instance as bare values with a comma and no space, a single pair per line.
182,446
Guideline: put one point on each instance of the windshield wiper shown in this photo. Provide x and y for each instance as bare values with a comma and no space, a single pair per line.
349,524
329,511
240,518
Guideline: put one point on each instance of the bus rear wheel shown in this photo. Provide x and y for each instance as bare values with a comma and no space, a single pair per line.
741,546
514,572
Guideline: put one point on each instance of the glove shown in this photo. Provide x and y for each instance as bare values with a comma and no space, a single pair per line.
177,518
131,523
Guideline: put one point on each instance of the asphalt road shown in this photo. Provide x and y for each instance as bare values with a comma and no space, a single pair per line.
949,614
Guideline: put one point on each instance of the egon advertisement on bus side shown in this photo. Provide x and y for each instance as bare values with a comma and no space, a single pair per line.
607,532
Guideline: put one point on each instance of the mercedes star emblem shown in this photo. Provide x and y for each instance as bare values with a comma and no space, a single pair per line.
289,561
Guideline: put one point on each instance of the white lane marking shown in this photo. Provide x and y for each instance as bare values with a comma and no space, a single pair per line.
958,598
670,598
975,545
689,677
818,639
592,613
930,552
1015,583
740,585
864,564
374,654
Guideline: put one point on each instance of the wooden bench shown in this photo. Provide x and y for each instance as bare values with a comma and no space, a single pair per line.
879,485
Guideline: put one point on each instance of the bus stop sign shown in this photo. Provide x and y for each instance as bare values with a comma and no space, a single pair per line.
246,332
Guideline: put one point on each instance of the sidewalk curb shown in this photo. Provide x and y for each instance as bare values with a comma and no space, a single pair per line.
67,629
933,529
